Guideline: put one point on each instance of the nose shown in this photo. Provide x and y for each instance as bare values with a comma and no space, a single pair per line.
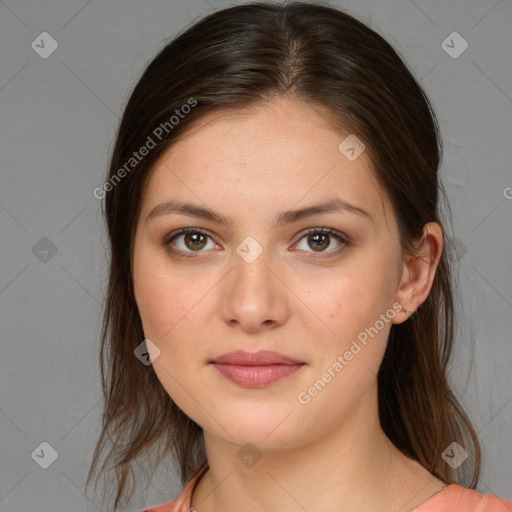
252,297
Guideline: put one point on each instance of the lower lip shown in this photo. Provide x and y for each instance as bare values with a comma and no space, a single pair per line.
256,376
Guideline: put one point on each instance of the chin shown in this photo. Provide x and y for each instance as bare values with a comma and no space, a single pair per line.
264,429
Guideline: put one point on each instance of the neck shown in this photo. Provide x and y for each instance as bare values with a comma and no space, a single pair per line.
353,468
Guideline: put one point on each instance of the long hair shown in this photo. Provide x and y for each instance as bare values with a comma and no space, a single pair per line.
244,56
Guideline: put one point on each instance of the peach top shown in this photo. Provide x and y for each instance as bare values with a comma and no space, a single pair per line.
453,498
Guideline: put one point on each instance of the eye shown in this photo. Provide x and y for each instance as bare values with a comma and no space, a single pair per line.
189,241
321,238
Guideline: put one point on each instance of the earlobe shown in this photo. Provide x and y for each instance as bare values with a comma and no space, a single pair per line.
418,271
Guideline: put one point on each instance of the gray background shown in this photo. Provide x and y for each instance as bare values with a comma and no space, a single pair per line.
58,120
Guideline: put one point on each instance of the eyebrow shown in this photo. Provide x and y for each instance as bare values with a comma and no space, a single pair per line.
283,218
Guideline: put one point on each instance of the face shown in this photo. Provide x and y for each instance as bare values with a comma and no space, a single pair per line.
317,287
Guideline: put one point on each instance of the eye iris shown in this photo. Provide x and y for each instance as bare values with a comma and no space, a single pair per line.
198,240
315,238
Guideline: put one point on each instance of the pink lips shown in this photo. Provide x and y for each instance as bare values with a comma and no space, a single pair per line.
255,369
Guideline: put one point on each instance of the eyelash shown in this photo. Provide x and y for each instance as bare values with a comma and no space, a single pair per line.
343,239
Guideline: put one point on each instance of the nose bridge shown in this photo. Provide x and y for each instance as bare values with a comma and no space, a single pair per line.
254,297
251,272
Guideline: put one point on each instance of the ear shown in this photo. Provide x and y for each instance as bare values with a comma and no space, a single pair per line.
418,271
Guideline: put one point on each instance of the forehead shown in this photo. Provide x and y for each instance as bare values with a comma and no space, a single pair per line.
272,154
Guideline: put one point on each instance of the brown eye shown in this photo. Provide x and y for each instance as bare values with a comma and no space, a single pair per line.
194,241
317,240
189,242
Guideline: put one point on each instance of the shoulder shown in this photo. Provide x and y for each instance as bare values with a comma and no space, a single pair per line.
166,507
182,502
455,498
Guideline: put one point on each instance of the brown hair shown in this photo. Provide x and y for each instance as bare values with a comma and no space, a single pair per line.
243,56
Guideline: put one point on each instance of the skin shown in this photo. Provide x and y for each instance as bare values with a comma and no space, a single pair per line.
249,166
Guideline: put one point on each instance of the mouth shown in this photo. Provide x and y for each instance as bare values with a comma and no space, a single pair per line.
256,369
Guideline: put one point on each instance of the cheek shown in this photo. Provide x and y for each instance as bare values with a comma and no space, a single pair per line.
174,310
355,306
163,304
352,298
163,298
157,311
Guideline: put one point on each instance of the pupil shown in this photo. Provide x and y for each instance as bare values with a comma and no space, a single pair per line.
317,238
196,239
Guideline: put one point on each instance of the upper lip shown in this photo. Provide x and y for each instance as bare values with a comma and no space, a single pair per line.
260,358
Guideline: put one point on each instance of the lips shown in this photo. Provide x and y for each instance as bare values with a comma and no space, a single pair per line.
255,369
261,358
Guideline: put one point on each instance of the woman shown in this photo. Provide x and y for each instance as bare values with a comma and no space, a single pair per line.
280,313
